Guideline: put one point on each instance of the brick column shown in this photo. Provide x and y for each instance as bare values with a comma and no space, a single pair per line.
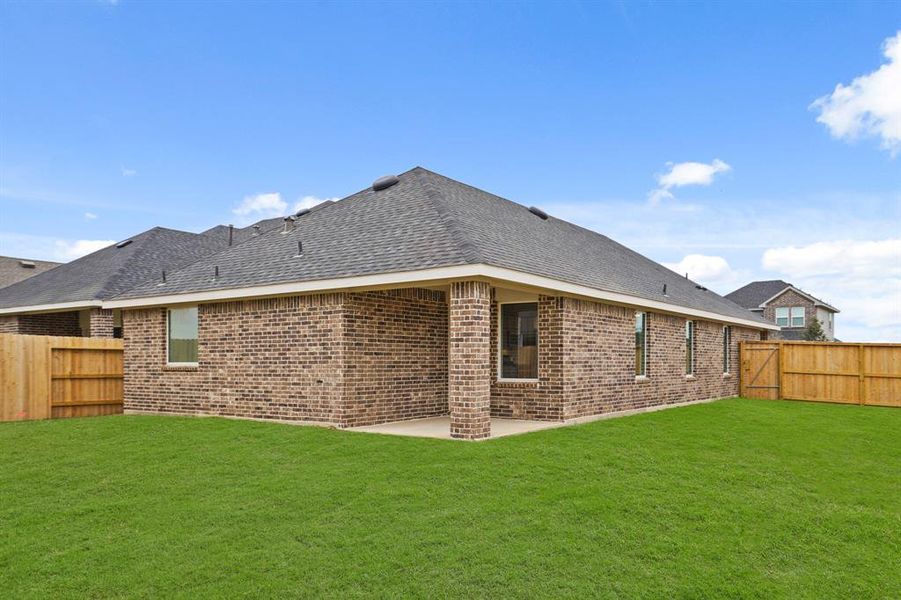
101,323
469,360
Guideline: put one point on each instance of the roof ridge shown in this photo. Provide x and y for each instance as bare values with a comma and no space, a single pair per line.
149,235
468,248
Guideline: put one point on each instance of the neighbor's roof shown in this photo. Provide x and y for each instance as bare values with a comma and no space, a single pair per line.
14,269
426,221
112,270
756,293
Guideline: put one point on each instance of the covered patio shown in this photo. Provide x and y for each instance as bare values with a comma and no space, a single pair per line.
439,427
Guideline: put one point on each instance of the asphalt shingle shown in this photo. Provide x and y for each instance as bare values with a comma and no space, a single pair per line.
428,220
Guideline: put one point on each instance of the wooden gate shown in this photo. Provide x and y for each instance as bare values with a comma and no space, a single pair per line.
822,372
760,370
49,377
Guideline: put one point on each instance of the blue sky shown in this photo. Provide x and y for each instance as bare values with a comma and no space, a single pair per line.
118,116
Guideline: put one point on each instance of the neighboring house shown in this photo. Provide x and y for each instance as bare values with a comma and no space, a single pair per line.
13,270
787,306
422,296
68,300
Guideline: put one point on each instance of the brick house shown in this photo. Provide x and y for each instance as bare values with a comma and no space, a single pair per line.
418,297
789,307
68,299
13,270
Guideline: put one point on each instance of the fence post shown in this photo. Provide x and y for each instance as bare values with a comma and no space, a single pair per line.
780,348
861,384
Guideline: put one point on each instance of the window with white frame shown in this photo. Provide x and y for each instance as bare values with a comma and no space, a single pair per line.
641,344
181,336
519,340
689,347
790,316
782,316
727,348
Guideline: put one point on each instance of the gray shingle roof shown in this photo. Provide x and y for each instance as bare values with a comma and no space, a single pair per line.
111,270
428,220
14,269
756,292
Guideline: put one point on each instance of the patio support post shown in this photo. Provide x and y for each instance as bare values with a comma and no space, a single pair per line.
469,360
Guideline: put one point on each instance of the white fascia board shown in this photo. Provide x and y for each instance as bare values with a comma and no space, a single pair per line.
48,308
616,297
436,275
801,293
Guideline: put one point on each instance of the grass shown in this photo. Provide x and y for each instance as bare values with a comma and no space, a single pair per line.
737,498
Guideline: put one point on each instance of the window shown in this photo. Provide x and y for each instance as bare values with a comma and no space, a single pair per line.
689,347
519,340
182,336
782,316
727,348
641,344
790,317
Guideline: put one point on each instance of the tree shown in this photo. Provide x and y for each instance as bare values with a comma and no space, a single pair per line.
814,331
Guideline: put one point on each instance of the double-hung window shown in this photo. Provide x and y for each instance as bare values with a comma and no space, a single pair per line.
727,348
181,336
782,316
519,340
689,347
790,316
641,344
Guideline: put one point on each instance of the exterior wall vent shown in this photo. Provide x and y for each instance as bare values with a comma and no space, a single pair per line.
383,183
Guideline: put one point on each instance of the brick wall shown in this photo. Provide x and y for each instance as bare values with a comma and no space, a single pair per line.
9,324
269,359
60,323
599,360
587,363
396,356
366,358
469,373
347,359
100,323
533,400
791,298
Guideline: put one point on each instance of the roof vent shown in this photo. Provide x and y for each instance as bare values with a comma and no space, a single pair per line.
538,213
301,212
289,224
26,264
123,244
383,183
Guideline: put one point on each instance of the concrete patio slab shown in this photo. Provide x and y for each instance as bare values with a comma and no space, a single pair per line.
439,427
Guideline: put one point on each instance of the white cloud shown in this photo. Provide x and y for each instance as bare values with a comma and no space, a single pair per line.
128,172
712,271
691,173
880,258
310,202
269,205
89,216
862,278
261,206
66,250
870,106
682,174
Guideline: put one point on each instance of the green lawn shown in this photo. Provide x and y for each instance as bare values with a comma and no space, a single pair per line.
735,498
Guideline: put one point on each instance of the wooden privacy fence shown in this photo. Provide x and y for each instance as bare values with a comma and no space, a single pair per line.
48,377
822,372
